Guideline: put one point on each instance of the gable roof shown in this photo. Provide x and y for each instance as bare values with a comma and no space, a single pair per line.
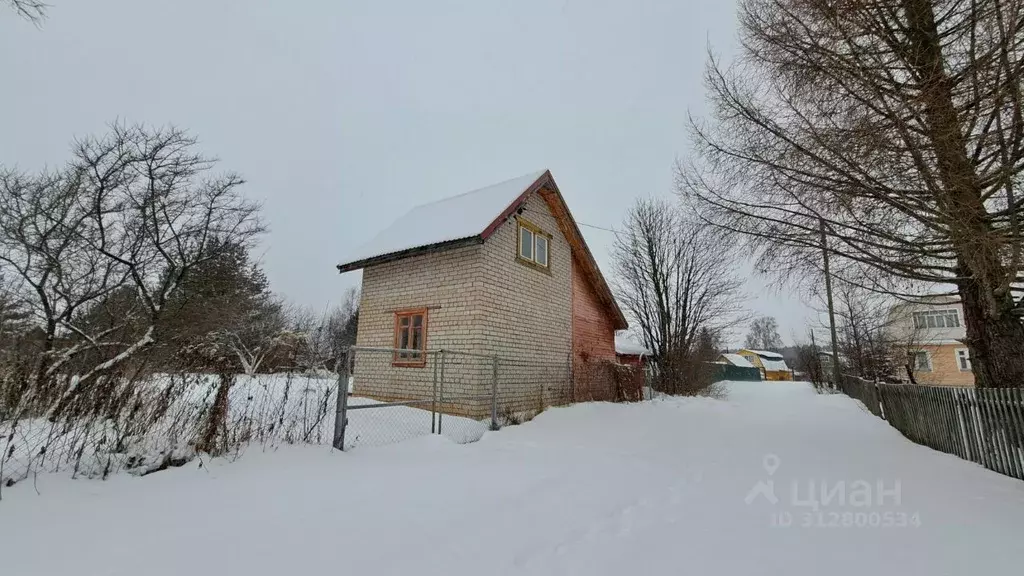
737,360
764,354
461,217
774,365
471,218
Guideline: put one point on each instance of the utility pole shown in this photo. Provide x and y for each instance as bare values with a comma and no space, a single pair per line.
831,309
817,358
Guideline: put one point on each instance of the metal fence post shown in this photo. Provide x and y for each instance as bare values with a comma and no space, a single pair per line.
433,401
340,415
440,413
494,394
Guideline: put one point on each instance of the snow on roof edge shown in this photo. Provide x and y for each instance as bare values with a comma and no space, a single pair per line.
737,360
765,353
448,219
628,347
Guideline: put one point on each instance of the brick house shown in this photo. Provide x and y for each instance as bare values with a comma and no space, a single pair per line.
931,332
501,271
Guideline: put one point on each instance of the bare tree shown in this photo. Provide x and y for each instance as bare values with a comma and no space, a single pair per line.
764,335
326,337
865,338
673,283
135,209
257,336
42,245
32,10
899,124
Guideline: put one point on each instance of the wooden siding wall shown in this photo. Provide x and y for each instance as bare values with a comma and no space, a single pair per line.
593,333
593,341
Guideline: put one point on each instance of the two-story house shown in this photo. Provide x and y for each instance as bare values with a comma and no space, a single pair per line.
931,332
500,271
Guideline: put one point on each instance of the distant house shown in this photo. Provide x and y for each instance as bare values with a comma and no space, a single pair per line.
630,352
931,333
772,364
730,366
735,360
500,271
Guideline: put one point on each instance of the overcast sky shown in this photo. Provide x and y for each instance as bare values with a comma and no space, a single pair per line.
341,115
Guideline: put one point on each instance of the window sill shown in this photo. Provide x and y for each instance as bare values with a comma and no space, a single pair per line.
409,363
534,265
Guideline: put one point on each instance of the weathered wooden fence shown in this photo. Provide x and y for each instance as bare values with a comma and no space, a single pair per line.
862,390
981,425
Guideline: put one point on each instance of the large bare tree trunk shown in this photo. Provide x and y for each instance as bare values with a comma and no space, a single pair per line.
996,344
995,336
899,124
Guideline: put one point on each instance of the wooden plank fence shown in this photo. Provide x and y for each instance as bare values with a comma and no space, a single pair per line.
983,425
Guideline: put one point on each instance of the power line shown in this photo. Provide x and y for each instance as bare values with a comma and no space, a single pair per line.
616,232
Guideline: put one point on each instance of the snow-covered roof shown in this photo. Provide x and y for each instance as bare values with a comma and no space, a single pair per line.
450,219
472,218
774,365
628,347
737,360
766,354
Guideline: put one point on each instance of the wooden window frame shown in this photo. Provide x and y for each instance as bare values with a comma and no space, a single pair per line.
407,362
521,224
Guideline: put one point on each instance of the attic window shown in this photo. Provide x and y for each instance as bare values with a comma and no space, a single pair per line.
534,245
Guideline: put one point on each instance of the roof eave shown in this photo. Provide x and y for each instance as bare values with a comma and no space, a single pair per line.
601,285
418,250
539,183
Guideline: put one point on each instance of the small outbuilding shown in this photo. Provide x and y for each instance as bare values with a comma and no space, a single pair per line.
630,352
735,367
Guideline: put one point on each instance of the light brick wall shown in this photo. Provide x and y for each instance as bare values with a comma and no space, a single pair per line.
527,313
481,299
945,367
448,284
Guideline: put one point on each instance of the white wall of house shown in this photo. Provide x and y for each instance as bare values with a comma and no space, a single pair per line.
932,333
931,325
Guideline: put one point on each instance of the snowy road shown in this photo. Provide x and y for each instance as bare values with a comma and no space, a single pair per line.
653,488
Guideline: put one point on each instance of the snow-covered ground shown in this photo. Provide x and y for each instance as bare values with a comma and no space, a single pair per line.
673,486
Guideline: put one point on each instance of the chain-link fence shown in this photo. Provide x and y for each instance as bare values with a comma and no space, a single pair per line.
151,423
396,394
461,394
147,423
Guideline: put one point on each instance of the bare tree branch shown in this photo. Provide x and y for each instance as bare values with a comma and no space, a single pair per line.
898,124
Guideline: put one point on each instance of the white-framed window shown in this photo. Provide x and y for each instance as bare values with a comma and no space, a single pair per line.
534,245
963,359
921,361
945,318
